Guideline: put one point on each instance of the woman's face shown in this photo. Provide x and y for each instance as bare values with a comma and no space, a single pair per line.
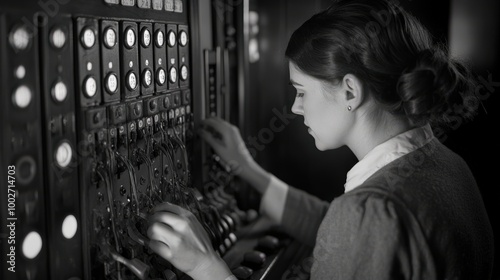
325,113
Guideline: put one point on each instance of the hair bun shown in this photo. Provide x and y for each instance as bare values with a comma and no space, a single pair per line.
433,85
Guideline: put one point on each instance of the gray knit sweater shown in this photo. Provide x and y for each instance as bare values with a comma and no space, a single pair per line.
419,217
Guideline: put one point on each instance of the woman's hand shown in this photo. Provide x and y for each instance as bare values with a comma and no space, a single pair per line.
177,236
226,140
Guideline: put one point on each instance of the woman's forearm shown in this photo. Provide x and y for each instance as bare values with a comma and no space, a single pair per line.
256,176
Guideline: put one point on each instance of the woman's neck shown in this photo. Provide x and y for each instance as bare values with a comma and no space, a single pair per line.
371,131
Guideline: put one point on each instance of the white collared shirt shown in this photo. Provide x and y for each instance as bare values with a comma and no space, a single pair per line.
274,198
387,152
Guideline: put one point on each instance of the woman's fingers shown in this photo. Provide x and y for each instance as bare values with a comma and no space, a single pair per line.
169,207
161,249
164,234
211,140
175,221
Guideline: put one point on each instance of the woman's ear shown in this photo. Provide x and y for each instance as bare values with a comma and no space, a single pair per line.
352,92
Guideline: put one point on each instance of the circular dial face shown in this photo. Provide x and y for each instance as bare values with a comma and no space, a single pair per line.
147,77
129,38
184,72
131,81
58,38
90,87
22,97
161,76
112,83
88,38
19,38
63,155
173,75
171,38
146,37
183,38
59,91
160,38
110,37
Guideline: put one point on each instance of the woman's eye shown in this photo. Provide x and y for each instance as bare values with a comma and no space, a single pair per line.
300,94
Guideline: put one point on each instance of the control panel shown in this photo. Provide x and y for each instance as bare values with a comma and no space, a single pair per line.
98,107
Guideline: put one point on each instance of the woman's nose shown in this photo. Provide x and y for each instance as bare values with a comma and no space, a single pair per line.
297,107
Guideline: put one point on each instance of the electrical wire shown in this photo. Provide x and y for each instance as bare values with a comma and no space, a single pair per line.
133,179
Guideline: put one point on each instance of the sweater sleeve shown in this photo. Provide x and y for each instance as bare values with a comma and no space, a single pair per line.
302,215
298,212
368,236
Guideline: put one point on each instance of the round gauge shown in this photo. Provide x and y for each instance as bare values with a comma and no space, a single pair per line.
147,77
88,38
32,245
22,97
19,38
131,81
63,155
183,38
161,77
171,38
58,38
110,38
90,87
184,72
129,38
173,75
59,91
160,38
146,37
111,83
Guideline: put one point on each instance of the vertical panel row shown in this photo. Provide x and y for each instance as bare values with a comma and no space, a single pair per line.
25,249
61,158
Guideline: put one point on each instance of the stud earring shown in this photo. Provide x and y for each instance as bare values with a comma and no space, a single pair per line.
349,108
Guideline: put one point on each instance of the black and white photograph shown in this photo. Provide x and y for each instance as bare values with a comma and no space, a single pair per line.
249,139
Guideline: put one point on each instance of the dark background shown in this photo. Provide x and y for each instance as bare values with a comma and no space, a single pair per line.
292,155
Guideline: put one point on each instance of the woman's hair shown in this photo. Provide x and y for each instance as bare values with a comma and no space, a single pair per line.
389,51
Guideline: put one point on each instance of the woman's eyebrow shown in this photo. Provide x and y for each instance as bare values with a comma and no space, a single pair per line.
294,83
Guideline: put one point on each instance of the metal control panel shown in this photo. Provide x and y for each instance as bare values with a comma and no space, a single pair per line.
97,119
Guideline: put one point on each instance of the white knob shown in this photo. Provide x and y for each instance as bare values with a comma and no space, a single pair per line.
184,72
69,227
20,38
58,38
32,245
63,155
22,97
59,92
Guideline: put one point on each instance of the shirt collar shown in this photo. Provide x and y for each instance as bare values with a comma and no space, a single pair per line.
387,152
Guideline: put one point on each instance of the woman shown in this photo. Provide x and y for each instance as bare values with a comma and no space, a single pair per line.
369,77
